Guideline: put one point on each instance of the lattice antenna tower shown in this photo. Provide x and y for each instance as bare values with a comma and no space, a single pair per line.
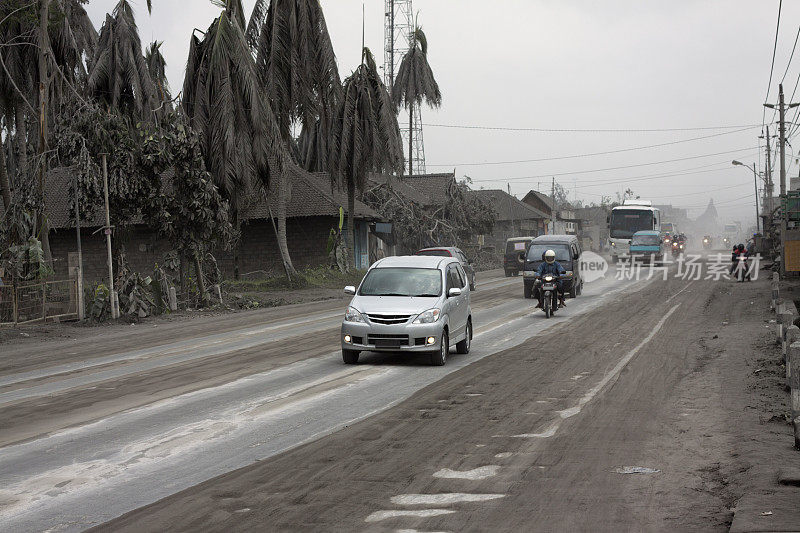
398,26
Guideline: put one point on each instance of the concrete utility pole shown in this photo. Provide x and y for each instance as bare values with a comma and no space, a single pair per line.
782,107
755,182
770,187
79,277
111,293
511,211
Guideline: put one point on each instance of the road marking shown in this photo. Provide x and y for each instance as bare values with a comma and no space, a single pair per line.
377,516
543,435
482,472
446,498
680,291
589,396
504,455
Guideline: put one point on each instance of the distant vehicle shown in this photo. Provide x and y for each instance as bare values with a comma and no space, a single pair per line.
409,304
678,248
568,252
707,242
452,251
516,250
669,227
648,246
627,219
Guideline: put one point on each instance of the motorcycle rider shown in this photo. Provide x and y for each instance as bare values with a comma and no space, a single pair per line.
739,260
553,267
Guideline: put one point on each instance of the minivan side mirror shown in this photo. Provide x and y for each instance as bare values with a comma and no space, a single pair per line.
350,290
455,291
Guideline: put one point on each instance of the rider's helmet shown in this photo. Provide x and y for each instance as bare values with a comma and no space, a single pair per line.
550,256
741,247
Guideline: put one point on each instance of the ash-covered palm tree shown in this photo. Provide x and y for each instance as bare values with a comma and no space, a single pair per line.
415,83
157,67
43,44
298,72
119,76
222,98
366,137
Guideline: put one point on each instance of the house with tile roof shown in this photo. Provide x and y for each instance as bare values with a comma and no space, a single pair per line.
514,218
312,211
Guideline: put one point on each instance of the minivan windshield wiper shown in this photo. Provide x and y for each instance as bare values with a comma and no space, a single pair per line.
425,295
388,294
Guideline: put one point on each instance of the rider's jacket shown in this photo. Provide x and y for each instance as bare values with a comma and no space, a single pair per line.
553,268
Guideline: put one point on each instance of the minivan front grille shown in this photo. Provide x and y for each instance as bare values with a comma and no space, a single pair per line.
388,319
387,341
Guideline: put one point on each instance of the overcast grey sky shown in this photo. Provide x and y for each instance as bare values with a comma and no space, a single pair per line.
579,64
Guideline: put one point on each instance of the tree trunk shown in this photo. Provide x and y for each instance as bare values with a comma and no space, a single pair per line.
351,223
237,227
201,283
21,138
283,246
410,138
44,45
5,186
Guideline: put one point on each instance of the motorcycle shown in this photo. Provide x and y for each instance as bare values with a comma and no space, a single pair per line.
548,285
706,243
727,242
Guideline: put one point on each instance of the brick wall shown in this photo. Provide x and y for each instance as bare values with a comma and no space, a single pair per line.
258,250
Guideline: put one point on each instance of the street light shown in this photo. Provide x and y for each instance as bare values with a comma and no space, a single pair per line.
755,181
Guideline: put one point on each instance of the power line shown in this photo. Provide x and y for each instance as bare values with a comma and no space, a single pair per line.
703,192
550,174
588,130
576,156
772,66
717,203
790,57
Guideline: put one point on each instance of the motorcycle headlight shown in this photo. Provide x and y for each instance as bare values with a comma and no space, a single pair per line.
613,244
427,317
352,315
548,278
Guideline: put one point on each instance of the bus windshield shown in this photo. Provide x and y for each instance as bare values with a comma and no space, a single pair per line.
626,222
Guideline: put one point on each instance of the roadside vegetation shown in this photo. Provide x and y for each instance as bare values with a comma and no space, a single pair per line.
187,165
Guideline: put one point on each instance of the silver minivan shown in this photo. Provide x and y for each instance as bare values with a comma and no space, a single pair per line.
409,304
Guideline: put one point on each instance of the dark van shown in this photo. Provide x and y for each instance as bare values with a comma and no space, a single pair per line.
568,252
516,250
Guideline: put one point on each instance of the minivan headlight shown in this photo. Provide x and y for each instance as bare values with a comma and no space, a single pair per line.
352,315
427,317
568,273
528,274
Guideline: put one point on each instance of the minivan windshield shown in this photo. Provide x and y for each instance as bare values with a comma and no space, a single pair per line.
399,281
536,251
645,240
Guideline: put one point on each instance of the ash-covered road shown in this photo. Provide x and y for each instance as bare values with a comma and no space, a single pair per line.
116,422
